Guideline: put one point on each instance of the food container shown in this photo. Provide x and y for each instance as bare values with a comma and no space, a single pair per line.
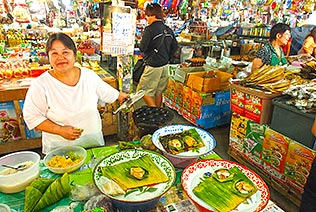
149,119
16,182
66,151
199,171
183,159
144,197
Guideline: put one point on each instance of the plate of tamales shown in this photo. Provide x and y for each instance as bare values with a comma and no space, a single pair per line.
221,185
134,176
183,144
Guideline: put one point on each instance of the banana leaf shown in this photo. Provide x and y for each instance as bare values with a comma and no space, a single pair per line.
44,192
221,195
32,196
55,192
118,173
34,192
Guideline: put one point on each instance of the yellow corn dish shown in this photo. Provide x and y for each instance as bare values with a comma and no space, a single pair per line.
59,161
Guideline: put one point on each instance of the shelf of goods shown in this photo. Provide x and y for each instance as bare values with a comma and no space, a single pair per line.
257,140
15,136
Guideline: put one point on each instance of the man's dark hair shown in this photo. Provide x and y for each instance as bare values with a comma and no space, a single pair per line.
154,9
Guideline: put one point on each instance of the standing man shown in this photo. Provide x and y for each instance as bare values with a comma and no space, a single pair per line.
158,46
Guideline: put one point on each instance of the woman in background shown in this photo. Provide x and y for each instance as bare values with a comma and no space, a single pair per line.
271,53
309,46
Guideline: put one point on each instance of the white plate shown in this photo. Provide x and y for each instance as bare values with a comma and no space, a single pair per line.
192,175
132,154
208,140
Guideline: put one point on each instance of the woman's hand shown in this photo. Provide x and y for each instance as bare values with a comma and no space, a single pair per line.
70,132
122,96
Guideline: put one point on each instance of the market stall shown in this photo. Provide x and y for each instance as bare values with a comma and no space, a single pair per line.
264,108
82,181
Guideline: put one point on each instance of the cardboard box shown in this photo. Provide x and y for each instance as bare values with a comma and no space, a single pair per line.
253,142
29,133
207,109
252,103
208,81
179,93
171,88
274,149
237,133
181,73
187,98
203,81
9,125
298,163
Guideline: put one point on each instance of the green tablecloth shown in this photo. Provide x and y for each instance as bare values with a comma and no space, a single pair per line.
80,177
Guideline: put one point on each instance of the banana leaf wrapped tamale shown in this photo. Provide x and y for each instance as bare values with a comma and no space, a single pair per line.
34,192
181,142
223,196
118,173
45,192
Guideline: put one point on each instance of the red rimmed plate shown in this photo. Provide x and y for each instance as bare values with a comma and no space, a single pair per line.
192,174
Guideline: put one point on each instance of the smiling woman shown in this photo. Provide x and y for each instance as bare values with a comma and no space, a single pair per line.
62,102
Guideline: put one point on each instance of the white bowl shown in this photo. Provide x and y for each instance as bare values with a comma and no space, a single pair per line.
192,175
64,151
138,201
183,159
17,182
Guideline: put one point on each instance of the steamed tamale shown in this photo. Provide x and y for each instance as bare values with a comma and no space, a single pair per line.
45,192
181,142
119,174
222,195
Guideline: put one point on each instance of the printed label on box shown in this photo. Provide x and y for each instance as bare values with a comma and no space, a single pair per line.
274,149
237,99
187,98
253,141
29,133
9,125
253,107
298,163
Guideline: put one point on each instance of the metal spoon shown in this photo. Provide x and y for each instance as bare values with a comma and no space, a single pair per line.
18,168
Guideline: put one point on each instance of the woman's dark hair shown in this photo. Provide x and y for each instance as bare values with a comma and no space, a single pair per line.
65,39
154,9
278,28
312,33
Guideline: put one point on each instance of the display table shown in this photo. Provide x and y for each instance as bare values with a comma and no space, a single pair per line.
174,200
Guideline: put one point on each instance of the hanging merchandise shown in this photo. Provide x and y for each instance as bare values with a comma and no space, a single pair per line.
5,15
20,12
309,6
174,4
268,2
183,7
141,4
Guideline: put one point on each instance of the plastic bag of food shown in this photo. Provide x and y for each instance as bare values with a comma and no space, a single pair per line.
83,192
